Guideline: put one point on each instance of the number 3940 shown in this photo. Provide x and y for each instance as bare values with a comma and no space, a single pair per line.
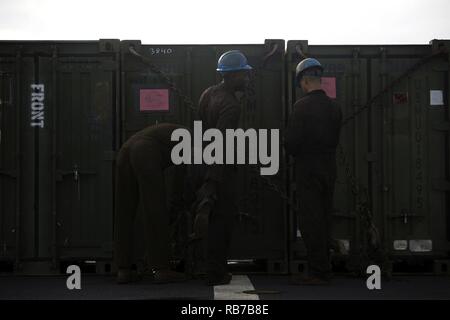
154,51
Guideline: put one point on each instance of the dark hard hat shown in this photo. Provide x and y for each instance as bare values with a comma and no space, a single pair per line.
308,67
233,60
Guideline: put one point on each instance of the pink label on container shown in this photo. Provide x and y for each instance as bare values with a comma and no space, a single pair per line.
154,100
329,86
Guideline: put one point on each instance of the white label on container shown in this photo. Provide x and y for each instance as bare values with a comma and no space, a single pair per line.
420,245
436,98
400,244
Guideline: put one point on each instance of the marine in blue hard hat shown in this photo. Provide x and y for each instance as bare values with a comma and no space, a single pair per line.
220,108
311,137
309,67
234,68
233,60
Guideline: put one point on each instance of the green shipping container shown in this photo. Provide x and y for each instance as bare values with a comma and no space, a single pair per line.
66,95
410,144
67,107
395,149
259,232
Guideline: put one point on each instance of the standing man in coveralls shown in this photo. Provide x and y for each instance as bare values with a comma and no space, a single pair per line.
311,137
219,108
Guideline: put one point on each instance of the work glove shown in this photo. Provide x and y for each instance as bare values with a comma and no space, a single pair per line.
201,220
206,198
207,191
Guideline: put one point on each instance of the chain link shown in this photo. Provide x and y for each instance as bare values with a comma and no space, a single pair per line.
187,100
361,194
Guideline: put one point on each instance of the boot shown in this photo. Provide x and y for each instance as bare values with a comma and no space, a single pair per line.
219,280
168,276
126,276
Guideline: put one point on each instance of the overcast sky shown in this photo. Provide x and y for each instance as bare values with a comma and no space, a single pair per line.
227,21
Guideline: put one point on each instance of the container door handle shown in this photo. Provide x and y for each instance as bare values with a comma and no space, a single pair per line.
76,177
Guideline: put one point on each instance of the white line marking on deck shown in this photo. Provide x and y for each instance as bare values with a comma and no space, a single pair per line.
235,290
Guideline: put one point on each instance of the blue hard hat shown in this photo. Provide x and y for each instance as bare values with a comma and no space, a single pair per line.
233,60
308,66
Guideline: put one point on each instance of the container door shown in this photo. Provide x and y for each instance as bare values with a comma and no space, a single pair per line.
77,153
18,230
411,136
